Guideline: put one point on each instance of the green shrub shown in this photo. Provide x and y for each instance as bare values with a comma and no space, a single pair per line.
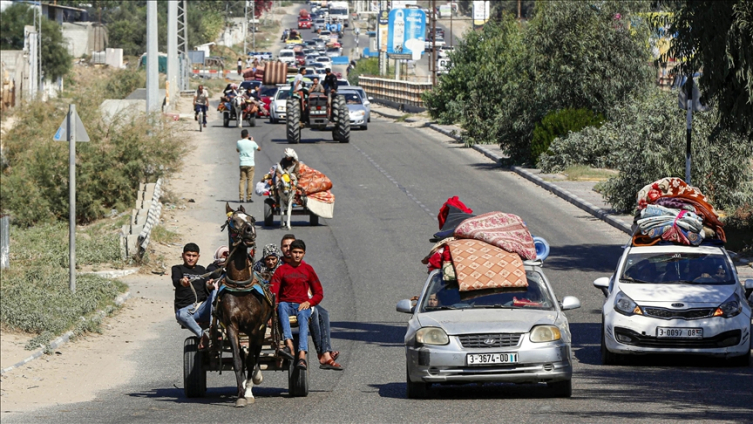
124,81
559,124
36,299
645,141
367,66
120,155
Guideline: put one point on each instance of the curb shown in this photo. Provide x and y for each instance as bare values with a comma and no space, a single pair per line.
114,274
564,194
60,341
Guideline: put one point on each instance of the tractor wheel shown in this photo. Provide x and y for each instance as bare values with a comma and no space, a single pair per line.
342,123
293,121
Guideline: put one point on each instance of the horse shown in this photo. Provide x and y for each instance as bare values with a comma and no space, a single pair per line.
242,311
238,104
286,194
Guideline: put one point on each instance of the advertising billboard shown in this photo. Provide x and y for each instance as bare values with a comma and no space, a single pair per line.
480,12
383,30
407,31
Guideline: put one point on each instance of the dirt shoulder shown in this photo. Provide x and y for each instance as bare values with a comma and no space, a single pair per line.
76,371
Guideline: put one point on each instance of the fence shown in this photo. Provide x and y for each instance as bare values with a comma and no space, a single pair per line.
400,93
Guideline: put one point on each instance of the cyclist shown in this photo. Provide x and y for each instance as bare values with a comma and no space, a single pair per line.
201,103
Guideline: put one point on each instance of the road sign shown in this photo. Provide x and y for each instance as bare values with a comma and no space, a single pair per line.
62,133
406,32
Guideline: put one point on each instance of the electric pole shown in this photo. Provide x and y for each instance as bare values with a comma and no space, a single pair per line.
152,58
433,64
172,52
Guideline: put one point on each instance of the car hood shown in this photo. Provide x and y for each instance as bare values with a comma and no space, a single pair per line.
465,321
691,294
356,108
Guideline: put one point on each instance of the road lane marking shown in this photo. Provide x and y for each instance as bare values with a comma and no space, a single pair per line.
397,184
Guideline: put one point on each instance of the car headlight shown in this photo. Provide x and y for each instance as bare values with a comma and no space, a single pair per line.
281,108
730,308
625,305
545,333
357,113
432,336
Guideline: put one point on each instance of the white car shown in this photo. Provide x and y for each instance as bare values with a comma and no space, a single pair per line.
366,98
325,35
673,299
277,108
287,56
324,60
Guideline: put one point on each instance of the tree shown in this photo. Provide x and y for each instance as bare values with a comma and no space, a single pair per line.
716,37
56,61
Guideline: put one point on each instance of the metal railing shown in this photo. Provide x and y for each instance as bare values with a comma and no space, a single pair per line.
401,92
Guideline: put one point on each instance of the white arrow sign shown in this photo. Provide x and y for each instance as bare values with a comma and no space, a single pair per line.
62,133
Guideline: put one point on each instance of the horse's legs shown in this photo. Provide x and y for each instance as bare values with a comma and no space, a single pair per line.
234,335
252,358
239,116
290,208
256,371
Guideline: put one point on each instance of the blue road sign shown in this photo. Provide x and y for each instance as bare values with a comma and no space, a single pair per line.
406,31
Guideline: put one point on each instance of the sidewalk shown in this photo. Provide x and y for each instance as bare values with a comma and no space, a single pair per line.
579,193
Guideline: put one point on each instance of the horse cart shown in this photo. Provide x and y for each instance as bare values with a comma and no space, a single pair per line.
285,200
219,357
247,109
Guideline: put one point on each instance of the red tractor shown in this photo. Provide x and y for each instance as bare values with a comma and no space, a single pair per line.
317,113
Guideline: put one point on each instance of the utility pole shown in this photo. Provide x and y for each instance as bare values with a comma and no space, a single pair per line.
253,26
183,43
520,15
172,53
152,58
433,64
689,127
245,27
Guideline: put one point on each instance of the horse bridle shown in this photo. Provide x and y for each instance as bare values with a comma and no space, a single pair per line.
236,239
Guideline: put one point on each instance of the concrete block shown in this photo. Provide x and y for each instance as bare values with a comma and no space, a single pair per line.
139,197
132,244
136,229
125,230
142,186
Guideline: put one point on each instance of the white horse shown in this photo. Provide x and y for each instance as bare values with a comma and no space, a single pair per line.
238,103
286,195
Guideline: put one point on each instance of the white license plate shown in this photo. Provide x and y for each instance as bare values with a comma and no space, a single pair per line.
491,358
679,333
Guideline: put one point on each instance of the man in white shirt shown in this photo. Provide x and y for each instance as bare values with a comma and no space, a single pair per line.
246,147
201,102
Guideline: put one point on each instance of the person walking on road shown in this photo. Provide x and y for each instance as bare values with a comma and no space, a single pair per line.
240,66
246,147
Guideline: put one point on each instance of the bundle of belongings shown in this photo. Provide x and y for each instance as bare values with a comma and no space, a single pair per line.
480,252
671,210
314,190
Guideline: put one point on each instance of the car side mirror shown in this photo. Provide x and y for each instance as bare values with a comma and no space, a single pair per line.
405,306
570,302
371,99
602,284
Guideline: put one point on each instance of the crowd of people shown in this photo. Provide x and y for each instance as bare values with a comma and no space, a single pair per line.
296,287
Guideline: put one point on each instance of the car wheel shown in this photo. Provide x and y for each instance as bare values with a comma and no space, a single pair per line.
364,127
273,120
739,361
561,389
415,390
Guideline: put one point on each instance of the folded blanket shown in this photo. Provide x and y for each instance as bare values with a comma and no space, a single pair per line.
445,210
504,230
680,226
677,188
312,181
480,266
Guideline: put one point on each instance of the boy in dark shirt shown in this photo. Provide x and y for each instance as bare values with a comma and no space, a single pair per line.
185,276
291,284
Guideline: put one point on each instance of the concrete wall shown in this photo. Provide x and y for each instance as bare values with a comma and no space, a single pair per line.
135,236
233,34
77,36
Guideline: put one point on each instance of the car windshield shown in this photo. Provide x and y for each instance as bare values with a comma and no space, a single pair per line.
322,60
341,83
268,91
283,94
675,267
352,99
287,54
333,50
325,33
443,295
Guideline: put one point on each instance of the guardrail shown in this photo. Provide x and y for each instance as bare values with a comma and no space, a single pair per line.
402,93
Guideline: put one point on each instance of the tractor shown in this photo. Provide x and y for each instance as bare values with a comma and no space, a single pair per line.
317,114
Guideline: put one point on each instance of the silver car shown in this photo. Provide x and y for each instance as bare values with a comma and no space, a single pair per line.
278,106
508,335
359,115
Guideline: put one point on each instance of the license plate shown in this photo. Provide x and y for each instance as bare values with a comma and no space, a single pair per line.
679,333
491,358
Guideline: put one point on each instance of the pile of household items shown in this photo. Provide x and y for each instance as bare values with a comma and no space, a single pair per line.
670,210
314,190
482,252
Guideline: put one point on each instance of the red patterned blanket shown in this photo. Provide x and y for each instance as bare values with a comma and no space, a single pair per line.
504,230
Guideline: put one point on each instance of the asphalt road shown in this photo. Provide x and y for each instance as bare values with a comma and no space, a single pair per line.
389,182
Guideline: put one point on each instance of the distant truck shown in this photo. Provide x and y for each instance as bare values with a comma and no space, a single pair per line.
339,11
444,65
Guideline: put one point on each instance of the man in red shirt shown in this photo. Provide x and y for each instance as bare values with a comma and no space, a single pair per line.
291,284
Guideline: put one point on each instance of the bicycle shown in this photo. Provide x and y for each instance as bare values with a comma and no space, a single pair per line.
200,118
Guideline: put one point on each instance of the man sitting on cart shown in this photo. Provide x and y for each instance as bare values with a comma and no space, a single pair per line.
193,293
288,165
291,284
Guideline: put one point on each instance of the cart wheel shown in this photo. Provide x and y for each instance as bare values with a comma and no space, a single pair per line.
194,375
298,379
313,219
252,120
225,119
269,213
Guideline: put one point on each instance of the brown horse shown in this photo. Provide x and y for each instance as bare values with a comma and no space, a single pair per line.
242,310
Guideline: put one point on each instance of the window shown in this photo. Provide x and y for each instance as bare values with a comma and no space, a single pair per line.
676,267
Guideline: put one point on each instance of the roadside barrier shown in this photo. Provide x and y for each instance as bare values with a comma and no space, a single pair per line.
135,236
402,93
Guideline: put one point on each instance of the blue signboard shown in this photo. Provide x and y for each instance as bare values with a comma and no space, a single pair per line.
407,31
